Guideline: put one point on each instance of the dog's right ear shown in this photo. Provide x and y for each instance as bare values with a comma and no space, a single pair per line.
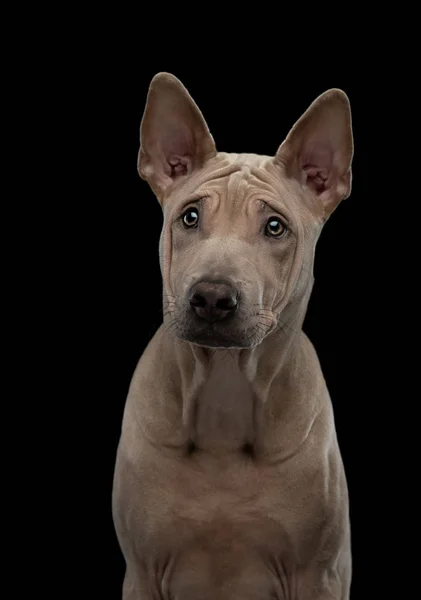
174,137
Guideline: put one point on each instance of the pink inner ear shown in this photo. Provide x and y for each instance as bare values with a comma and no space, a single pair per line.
179,165
317,163
178,150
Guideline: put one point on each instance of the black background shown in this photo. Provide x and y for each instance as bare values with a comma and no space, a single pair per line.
249,107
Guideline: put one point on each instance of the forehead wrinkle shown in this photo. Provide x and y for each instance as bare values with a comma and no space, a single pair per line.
237,186
264,180
214,176
232,191
242,190
277,190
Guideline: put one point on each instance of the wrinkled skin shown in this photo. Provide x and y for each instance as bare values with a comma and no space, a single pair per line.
229,482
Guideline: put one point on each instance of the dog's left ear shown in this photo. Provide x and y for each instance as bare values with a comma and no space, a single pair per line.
318,150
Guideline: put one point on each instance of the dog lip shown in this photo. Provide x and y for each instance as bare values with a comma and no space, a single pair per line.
212,334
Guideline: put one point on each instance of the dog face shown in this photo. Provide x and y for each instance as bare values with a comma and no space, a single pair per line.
237,244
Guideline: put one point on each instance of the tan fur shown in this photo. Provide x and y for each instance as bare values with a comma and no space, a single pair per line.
257,508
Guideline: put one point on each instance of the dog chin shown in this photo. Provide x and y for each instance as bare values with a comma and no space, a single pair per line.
216,337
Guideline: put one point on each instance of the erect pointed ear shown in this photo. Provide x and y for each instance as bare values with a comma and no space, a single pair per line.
318,150
174,137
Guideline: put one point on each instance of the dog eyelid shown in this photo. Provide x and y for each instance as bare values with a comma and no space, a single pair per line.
269,206
192,203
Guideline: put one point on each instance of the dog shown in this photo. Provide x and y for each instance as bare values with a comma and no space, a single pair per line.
229,482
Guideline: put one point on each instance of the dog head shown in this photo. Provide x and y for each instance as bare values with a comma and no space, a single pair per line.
240,230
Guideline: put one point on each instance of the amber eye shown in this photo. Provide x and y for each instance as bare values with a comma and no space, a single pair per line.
275,227
190,217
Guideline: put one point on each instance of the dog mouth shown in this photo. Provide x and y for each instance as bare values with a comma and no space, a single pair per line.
228,333
213,335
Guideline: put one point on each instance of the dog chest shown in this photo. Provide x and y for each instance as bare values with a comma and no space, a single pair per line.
215,523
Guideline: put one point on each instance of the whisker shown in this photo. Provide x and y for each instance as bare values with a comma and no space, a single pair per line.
171,327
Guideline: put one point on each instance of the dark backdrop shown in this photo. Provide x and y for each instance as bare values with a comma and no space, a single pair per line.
249,107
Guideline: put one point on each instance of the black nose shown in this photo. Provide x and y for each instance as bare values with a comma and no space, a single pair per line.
213,301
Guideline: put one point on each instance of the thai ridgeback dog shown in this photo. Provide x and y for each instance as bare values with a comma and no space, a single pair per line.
229,482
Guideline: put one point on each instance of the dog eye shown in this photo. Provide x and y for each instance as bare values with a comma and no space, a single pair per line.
275,227
190,217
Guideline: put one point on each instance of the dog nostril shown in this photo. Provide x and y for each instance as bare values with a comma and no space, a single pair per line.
198,300
226,303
